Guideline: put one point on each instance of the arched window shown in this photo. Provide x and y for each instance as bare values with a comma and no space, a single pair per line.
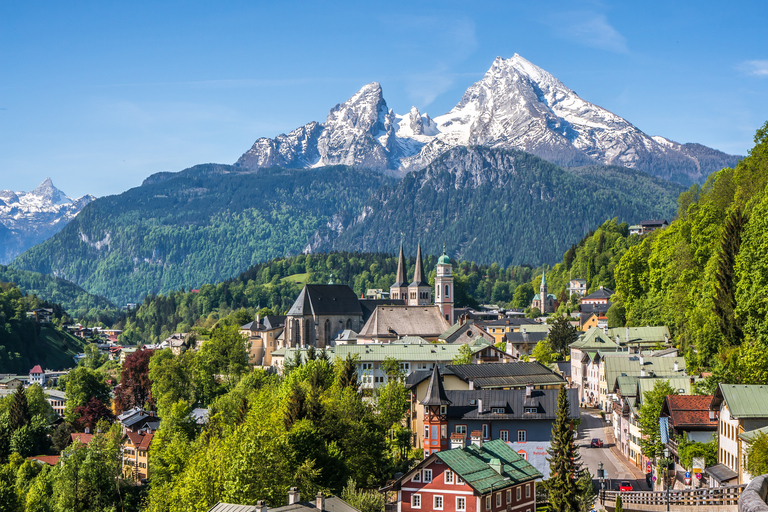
447,291
349,323
327,333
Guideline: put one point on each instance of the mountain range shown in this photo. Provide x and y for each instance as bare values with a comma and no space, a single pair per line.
28,218
516,105
519,170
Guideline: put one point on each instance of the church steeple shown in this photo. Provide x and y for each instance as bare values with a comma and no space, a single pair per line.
419,292
399,289
435,404
418,273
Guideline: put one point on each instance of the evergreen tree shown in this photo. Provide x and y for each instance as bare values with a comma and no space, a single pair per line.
619,507
297,408
564,461
725,279
19,416
348,374
561,335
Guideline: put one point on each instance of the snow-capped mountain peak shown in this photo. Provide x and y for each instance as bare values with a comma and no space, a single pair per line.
515,105
32,217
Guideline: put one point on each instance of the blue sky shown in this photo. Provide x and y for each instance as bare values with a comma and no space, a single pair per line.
99,95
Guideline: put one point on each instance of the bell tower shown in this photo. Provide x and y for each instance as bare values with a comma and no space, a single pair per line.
419,291
436,405
444,287
399,289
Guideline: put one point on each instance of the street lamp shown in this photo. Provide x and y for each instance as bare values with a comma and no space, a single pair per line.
666,473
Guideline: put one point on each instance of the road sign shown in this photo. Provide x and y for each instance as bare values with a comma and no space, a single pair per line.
687,480
698,464
687,474
698,476
654,478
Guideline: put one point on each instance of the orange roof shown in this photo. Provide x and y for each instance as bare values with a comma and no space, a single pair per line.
690,411
140,441
83,438
51,460
36,369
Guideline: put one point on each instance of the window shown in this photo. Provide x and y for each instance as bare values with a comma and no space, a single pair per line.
459,481
461,503
438,502
517,493
366,366
405,368
531,410
504,435
427,475
426,431
435,432
527,490
461,429
416,477
498,499
443,431
497,410
416,500
485,431
521,436
509,496
447,291
523,454
443,409
487,503
449,477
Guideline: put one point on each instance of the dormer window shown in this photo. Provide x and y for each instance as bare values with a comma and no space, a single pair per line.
531,410
497,410
443,409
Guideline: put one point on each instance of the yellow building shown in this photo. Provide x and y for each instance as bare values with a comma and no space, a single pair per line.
135,455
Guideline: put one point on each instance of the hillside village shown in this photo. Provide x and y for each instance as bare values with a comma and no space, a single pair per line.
481,387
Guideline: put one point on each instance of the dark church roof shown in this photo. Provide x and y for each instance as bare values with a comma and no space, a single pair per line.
418,274
435,392
326,299
400,279
600,293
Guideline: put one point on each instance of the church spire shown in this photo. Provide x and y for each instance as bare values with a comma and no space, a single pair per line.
435,391
418,273
400,279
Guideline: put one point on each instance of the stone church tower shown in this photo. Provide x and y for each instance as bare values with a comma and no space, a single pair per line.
543,294
399,289
419,291
444,287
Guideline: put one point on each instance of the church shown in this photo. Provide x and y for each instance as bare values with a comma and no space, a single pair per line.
419,293
545,302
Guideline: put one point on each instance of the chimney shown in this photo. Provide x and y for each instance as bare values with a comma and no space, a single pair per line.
458,441
293,496
320,501
666,338
640,357
677,367
261,506
528,390
477,438
495,465
471,385
711,415
605,329
626,335
480,406
87,430
642,372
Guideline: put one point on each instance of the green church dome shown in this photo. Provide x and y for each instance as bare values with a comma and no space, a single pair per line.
444,260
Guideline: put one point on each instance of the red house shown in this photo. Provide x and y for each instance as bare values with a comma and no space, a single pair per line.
483,477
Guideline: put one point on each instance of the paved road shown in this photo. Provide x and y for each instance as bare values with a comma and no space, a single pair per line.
617,468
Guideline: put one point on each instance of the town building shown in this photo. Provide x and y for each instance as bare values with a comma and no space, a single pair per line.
262,335
137,419
391,323
465,330
500,327
57,399
319,313
688,416
583,375
321,503
483,477
577,287
37,376
741,409
600,296
135,455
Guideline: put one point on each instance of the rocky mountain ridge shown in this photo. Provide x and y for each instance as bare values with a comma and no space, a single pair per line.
516,105
28,218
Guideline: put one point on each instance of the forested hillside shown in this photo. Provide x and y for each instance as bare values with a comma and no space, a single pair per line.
77,302
706,275
277,283
203,225
25,343
504,206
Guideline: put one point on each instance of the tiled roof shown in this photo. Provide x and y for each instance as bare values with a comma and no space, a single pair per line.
630,366
430,352
472,464
326,299
595,339
600,293
680,384
639,334
465,405
83,438
36,369
743,401
750,435
51,460
686,411
396,321
140,441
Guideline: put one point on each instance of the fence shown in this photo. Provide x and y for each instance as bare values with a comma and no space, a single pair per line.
724,498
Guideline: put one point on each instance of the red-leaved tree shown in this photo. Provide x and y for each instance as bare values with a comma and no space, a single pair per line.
135,389
90,414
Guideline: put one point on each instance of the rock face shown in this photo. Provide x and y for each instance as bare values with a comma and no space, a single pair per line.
28,218
516,105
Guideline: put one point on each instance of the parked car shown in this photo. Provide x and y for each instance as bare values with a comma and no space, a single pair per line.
625,486
596,443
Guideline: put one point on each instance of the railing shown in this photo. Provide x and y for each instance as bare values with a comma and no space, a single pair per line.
705,497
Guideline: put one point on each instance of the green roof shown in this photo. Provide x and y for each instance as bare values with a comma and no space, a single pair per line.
677,383
472,464
629,366
430,352
444,260
455,327
752,434
595,339
746,401
640,334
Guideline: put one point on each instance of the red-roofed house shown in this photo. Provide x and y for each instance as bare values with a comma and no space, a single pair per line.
689,415
80,437
51,460
37,376
135,448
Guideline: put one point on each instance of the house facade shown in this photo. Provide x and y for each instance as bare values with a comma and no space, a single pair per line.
482,477
135,455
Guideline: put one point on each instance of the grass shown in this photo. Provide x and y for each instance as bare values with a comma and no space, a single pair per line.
296,278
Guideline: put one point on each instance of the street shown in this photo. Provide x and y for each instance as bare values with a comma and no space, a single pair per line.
617,468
